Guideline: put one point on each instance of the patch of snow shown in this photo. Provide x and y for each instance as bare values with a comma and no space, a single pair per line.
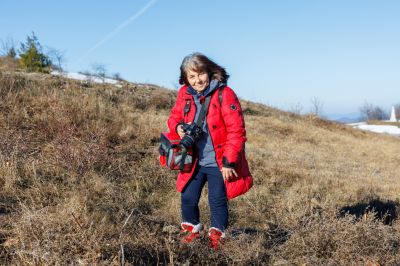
386,129
83,77
357,124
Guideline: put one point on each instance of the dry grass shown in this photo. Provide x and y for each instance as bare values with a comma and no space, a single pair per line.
8,63
76,162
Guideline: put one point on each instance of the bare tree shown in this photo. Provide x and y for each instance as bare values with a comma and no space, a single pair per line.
99,70
58,57
296,108
397,110
366,110
316,106
117,76
372,112
380,114
7,48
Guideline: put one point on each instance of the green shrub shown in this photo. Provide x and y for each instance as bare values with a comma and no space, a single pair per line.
31,56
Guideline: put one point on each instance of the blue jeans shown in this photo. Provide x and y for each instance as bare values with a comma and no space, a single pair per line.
216,197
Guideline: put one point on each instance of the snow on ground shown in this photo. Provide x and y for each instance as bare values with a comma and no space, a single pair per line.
78,76
386,129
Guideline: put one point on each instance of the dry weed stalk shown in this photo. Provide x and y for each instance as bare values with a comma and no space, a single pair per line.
120,237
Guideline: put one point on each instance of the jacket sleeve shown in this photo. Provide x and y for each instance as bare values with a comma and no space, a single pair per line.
235,128
176,115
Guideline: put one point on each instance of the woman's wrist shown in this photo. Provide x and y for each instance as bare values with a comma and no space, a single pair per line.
176,127
227,164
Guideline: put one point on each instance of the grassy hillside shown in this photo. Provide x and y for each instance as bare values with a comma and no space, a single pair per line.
80,183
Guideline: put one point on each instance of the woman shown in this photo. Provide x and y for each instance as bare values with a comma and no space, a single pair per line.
218,151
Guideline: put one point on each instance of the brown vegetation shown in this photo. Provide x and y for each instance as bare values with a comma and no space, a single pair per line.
8,63
80,183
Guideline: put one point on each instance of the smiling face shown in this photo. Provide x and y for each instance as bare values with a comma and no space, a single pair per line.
198,80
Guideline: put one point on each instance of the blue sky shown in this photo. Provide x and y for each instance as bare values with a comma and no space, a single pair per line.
282,52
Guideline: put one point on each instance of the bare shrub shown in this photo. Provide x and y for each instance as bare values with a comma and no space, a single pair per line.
316,106
296,108
57,57
99,70
397,110
371,112
8,48
117,76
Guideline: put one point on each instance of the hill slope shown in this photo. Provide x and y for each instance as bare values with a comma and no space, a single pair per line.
80,183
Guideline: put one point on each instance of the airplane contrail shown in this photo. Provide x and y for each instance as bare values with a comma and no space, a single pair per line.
119,28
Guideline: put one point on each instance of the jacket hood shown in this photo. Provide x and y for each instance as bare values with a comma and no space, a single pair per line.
214,84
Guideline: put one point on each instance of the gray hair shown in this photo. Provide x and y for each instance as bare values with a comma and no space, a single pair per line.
201,63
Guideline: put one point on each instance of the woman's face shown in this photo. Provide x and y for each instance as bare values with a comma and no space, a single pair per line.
198,80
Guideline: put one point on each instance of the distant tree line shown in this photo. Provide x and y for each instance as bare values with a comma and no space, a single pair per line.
370,111
397,110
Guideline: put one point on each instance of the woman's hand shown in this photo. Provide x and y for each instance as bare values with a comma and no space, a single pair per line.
228,173
180,131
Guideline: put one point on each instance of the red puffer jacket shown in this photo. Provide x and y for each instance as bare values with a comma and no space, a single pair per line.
228,134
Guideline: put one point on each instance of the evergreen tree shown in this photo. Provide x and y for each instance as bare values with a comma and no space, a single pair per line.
32,57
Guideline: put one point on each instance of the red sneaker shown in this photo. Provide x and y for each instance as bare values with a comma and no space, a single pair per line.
216,238
190,231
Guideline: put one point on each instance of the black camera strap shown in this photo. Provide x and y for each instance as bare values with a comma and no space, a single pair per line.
199,121
203,111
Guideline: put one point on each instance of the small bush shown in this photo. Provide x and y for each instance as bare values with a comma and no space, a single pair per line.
32,57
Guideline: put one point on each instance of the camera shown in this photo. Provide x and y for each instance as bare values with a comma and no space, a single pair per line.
192,133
